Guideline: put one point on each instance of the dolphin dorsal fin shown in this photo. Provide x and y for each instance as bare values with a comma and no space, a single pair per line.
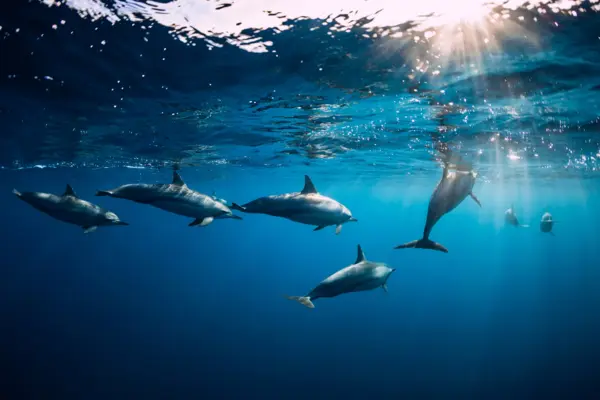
177,179
69,191
309,187
360,256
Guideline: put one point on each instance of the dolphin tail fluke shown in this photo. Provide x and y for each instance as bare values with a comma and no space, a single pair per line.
304,300
103,193
236,206
17,193
423,244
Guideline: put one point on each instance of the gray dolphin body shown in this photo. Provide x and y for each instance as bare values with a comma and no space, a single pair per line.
451,190
510,217
71,209
175,197
547,223
361,276
220,200
306,207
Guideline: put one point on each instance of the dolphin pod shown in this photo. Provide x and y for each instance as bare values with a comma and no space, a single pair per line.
307,207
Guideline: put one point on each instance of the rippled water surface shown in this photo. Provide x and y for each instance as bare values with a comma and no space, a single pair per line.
372,85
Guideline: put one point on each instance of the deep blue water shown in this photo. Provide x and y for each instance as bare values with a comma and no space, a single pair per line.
160,310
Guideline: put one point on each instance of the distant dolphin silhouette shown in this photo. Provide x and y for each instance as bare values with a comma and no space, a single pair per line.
510,217
547,223
361,276
306,207
451,190
175,197
71,209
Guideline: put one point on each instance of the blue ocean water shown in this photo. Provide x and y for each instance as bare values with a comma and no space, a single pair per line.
244,99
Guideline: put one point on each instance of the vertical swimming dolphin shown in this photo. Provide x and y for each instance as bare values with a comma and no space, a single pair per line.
175,197
451,190
358,277
71,209
306,207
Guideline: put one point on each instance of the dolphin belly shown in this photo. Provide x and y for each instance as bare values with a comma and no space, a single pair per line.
347,283
185,208
66,211
316,217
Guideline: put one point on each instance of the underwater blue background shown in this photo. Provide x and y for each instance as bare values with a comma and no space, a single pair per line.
245,101
161,310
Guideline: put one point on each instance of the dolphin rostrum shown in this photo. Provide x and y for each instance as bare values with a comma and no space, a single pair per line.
306,207
175,197
510,217
451,190
361,276
71,209
547,223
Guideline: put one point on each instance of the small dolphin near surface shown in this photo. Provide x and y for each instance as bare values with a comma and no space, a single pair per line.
175,197
361,276
451,190
71,209
306,207
547,223
510,217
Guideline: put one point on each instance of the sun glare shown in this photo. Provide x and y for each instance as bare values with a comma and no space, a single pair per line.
465,12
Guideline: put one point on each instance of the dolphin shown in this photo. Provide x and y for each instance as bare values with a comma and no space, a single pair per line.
358,277
450,191
547,223
306,207
175,197
71,209
510,217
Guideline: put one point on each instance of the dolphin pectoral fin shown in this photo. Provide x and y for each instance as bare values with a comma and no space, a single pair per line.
384,287
201,221
318,228
338,229
103,193
235,206
475,199
304,300
552,233
423,244
89,229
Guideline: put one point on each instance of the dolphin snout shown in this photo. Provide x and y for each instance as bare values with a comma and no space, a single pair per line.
352,219
121,223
